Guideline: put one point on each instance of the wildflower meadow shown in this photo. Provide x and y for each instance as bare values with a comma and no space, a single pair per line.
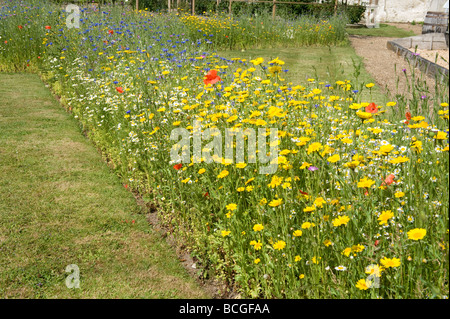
356,202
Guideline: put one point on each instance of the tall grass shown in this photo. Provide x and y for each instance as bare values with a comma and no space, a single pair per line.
243,32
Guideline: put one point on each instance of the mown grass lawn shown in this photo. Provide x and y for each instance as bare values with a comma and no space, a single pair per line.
61,205
384,30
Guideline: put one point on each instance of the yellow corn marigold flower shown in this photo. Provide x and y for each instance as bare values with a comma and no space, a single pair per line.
365,182
201,170
276,202
258,227
241,165
225,233
334,158
417,233
257,61
223,174
314,147
399,194
385,149
346,251
276,181
256,261
364,115
385,216
440,136
399,159
307,225
297,258
374,270
341,220
279,245
297,233
309,209
363,284
231,206
387,262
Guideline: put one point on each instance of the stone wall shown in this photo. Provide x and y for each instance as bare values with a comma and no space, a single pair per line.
402,10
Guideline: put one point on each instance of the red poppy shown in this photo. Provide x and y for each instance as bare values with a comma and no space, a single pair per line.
389,179
211,77
408,117
119,89
6,42
206,194
178,166
110,31
377,242
48,27
302,192
371,108
20,27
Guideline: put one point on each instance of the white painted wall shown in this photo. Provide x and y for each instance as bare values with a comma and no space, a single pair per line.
403,10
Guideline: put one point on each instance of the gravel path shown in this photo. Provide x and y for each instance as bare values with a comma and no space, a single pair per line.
384,65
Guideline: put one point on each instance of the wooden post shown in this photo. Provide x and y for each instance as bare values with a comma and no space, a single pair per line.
137,5
229,8
274,9
168,6
178,5
335,7
193,7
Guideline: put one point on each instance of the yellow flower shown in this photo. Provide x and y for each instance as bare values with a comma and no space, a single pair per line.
341,220
276,202
417,233
231,207
201,170
387,262
223,174
275,69
225,233
399,194
241,165
347,251
334,158
276,61
327,242
365,182
301,276
399,159
258,227
257,61
385,216
369,85
440,136
309,209
297,258
257,245
314,147
307,225
276,181
297,233
362,284
364,115
279,245
374,270
385,149
257,260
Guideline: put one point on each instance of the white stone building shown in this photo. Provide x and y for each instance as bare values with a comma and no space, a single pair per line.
400,10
